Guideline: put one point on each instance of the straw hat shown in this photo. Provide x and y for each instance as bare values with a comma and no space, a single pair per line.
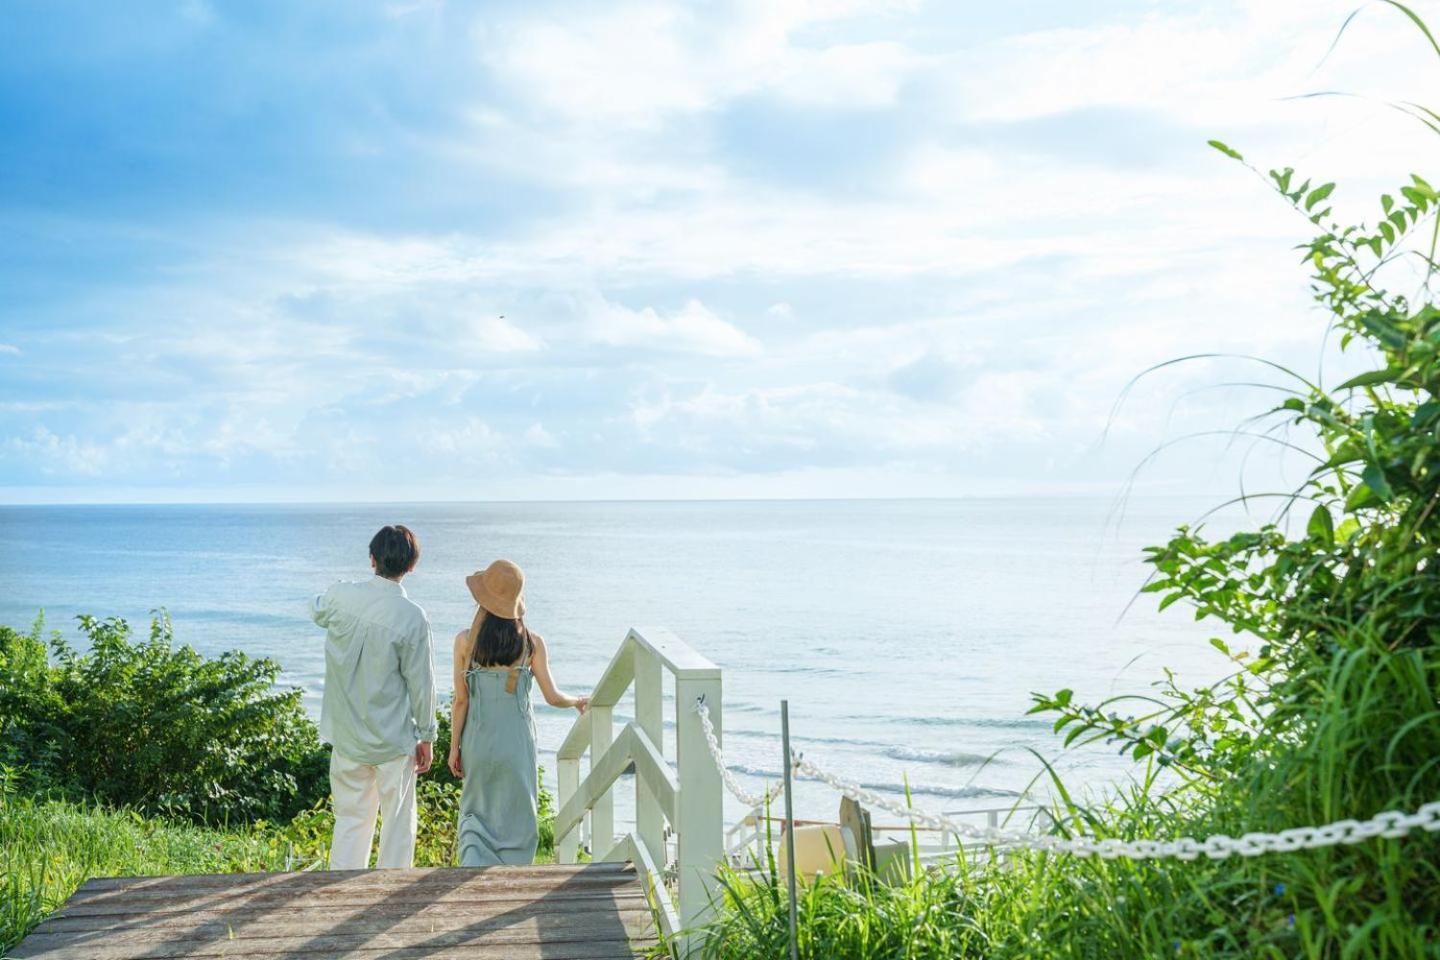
498,589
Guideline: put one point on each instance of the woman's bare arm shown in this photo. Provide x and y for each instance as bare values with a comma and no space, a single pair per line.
540,666
460,705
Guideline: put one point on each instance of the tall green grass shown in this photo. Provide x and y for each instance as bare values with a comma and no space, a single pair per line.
1371,743
48,848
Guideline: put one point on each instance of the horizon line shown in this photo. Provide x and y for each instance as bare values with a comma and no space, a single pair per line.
341,502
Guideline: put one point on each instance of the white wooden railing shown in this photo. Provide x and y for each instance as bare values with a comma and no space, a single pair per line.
686,797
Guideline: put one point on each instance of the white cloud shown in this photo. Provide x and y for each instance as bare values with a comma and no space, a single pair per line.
9,349
53,455
638,63
694,328
502,336
471,440
537,436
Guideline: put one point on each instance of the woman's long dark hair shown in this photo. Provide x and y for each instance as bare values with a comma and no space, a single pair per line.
500,642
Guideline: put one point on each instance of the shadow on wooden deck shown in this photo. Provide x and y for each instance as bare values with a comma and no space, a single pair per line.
592,912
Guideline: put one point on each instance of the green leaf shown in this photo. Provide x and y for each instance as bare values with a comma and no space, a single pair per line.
1382,328
1386,202
1322,526
1372,377
1318,194
1223,148
1374,478
1360,496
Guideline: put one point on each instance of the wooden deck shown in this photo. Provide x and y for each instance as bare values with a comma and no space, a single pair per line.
592,912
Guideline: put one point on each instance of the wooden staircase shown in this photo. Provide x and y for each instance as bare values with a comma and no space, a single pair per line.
592,912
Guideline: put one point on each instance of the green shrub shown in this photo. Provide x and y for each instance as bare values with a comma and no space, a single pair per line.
149,725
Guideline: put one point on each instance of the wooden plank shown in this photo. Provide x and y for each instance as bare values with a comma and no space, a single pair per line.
631,746
559,928
650,718
567,777
602,810
274,901
574,950
429,916
661,904
349,889
376,877
700,823
683,660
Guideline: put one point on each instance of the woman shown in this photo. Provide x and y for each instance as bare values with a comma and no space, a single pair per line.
492,739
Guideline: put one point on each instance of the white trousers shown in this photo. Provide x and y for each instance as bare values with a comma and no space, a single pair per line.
359,791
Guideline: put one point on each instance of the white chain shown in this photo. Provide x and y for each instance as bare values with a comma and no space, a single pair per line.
750,800
1391,823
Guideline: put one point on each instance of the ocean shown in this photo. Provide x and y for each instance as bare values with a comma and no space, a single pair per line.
907,635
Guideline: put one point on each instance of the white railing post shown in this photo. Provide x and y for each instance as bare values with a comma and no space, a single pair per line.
699,826
567,778
602,814
650,718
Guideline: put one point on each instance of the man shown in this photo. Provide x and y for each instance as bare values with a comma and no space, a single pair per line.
378,713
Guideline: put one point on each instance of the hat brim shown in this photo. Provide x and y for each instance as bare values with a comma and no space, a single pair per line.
490,603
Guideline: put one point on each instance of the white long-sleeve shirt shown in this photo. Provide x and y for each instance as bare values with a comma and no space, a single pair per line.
379,673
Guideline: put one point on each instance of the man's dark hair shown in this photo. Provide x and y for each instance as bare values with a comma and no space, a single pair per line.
395,551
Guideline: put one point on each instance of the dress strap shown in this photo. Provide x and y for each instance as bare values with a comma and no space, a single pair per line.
513,680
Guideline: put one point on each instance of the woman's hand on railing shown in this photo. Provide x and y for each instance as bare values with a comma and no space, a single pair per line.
581,704
455,766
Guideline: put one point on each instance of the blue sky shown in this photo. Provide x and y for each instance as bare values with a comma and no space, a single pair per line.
430,250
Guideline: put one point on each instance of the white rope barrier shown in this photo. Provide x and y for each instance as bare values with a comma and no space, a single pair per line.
1391,824
751,801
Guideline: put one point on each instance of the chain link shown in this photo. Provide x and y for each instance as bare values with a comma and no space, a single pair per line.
1391,824
750,800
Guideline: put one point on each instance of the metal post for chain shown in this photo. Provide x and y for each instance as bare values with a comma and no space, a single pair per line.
789,829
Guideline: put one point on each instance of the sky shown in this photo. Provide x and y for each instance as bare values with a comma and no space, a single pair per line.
420,250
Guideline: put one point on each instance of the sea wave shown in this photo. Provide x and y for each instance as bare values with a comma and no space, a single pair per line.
969,791
947,758
991,723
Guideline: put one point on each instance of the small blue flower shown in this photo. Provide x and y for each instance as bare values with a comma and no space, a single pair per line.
1279,889
1292,919
1177,946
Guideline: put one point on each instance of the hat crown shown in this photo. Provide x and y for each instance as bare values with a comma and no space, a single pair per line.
504,579
498,588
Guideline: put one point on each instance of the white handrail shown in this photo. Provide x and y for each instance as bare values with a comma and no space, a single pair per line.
687,796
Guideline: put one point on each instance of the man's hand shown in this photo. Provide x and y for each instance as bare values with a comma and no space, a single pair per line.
424,756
